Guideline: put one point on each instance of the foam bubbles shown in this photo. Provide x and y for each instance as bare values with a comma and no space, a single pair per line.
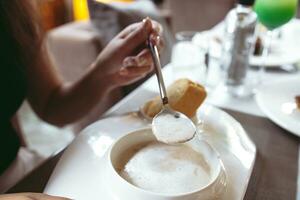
169,129
167,169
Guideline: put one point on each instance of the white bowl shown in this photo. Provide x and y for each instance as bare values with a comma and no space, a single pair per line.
119,187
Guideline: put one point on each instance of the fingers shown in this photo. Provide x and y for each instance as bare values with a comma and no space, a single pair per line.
130,75
128,42
156,28
156,34
137,37
124,33
30,196
156,39
142,59
135,68
45,197
135,71
137,34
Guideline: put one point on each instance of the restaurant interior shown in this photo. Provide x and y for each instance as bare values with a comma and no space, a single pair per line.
131,76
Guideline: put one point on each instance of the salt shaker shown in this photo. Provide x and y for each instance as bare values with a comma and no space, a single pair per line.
237,47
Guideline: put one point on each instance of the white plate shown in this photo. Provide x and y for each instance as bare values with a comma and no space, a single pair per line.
80,172
277,101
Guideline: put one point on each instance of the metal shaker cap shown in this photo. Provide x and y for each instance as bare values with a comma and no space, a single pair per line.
246,2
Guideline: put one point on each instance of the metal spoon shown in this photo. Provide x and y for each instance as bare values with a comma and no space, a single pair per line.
169,126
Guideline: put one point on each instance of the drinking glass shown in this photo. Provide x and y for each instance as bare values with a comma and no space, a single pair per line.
273,14
188,58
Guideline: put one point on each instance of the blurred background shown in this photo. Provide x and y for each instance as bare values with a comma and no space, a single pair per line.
188,15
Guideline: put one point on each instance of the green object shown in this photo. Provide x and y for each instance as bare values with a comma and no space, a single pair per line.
275,13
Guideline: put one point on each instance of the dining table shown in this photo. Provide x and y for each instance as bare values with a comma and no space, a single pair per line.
275,173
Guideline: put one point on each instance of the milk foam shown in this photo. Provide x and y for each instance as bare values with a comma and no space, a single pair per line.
169,129
166,169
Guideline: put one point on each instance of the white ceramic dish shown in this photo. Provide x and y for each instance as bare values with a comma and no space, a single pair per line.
81,173
277,100
213,189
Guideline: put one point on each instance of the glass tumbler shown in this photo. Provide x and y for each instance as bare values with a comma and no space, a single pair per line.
188,58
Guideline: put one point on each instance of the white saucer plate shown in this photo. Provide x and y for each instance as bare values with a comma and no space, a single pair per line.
277,100
81,173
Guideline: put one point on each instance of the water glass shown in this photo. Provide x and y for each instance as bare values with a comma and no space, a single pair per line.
188,58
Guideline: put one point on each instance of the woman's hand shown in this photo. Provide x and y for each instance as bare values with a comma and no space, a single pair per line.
126,58
30,196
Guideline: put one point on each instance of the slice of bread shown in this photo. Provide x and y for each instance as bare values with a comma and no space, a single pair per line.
184,95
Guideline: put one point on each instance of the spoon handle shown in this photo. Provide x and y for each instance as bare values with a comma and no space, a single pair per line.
157,66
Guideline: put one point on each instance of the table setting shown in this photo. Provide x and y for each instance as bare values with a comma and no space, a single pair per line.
245,120
244,142
242,162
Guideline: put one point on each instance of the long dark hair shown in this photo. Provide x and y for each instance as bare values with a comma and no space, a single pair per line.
20,31
20,47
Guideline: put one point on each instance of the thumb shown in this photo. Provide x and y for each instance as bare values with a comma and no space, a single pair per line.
138,36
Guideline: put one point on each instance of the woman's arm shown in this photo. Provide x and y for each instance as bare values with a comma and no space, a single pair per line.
117,65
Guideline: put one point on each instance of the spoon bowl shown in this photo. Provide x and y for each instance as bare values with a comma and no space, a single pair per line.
172,127
169,126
